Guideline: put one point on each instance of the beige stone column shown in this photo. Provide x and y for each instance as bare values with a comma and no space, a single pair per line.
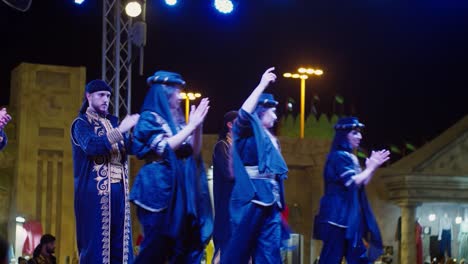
408,232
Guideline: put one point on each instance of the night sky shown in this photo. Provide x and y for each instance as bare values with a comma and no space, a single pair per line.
401,66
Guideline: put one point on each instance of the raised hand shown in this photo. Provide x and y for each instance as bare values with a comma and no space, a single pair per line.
128,122
4,118
268,77
198,114
377,158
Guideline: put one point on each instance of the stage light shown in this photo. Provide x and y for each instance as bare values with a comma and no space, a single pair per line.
224,6
79,2
171,2
133,8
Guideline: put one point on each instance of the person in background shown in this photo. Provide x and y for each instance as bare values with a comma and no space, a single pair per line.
44,252
4,119
223,182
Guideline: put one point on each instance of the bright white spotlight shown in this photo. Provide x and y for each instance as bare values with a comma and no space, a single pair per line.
432,217
224,6
171,2
79,2
133,9
20,219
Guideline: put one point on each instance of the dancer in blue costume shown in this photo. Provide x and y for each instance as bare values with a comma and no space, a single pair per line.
4,119
171,190
100,146
345,217
258,194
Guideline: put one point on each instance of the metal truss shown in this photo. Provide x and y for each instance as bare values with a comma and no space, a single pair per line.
117,55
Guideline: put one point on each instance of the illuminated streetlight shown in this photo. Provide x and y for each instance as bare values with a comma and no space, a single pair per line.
303,74
188,97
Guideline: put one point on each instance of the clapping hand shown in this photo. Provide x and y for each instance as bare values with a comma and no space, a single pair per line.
128,122
198,114
377,158
4,118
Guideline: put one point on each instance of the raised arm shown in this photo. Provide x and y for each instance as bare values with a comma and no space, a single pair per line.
376,160
197,116
251,102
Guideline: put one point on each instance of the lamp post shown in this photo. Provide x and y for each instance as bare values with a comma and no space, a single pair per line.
188,97
303,74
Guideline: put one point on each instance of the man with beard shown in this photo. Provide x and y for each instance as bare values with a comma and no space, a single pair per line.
43,253
100,146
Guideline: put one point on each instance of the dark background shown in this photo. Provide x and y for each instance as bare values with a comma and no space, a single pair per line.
400,67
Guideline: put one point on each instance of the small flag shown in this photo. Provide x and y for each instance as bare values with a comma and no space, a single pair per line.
410,146
395,149
339,99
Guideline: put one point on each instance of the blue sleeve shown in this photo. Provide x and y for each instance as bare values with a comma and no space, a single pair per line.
3,139
345,168
242,126
149,136
92,144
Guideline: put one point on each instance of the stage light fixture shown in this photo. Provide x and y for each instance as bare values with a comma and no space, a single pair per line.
171,2
224,6
133,8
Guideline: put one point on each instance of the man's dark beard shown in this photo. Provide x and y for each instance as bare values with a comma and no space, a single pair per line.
50,251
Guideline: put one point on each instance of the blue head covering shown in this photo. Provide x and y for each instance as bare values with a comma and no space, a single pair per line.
156,99
267,100
92,87
342,128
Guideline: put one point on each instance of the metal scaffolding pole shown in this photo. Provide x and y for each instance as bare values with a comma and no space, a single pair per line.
117,55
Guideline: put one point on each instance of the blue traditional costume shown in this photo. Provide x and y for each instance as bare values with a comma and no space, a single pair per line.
171,189
223,182
102,208
345,217
3,139
258,194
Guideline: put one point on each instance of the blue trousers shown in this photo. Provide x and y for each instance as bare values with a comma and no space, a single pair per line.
445,243
117,224
336,246
157,247
256,236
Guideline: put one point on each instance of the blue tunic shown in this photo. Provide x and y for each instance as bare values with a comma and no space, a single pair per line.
102,209
344,206
257,196
223,182
172,194
3,139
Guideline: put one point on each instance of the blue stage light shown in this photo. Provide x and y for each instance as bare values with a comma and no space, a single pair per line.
171,2
79,2
224,6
